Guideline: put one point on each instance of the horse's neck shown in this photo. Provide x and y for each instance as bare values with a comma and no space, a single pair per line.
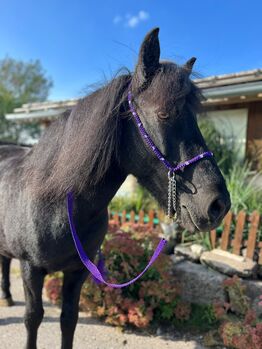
102,193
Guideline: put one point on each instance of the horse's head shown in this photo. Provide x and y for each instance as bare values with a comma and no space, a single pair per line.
166,101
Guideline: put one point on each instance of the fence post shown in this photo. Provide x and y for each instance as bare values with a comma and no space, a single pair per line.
141,217
132,217
116,218
213,237
226,231
252,234
260,253
237,243
123,216
151,215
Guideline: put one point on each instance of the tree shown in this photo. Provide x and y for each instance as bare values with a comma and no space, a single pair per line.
20,82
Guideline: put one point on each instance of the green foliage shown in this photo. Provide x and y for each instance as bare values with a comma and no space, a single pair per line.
239,177
202,238
224,149
202,318
244,195
20,82
141,199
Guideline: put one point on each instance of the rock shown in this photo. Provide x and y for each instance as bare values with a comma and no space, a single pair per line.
185,251
199,284
197,249
253,291
177,259
188,253
228,263
203,285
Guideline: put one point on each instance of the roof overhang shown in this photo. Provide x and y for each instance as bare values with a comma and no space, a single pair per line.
45,111
36,115
247,89
225,89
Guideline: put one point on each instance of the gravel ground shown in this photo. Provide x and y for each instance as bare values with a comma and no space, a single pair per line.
90,333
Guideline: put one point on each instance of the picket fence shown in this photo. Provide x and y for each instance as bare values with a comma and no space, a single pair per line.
239,231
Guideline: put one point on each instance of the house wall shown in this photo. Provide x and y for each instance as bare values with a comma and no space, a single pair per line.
254,133
128,187
233,124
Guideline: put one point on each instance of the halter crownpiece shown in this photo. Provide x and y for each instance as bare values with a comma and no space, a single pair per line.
172,192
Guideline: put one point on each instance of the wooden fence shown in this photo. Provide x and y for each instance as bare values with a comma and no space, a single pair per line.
244,233
150,218
234,242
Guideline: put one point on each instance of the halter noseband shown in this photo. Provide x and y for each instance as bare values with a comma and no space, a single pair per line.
171,199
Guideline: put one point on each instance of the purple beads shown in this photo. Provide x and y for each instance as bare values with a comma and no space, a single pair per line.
155,149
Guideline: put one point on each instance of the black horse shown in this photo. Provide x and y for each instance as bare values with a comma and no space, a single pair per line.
90,152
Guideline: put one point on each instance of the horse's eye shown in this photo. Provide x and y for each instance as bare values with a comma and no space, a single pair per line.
162,115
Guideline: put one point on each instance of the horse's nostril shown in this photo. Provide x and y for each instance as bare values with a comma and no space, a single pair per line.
216,209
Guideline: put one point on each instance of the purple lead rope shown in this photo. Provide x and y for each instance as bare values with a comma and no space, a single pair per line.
96,273
90,265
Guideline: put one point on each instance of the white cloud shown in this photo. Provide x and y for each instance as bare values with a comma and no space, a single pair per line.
143,15
132,21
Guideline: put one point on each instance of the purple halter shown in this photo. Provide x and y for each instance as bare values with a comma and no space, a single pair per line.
171,200
98,273
154,148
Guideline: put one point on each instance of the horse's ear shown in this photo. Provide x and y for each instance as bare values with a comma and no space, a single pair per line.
148,60
189,64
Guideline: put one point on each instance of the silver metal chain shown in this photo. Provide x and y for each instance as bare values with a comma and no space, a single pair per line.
171,195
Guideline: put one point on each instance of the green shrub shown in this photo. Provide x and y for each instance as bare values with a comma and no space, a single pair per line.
238,174
141,199
224,149
244,195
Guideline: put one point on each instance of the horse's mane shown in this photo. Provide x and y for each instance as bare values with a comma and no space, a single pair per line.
77,148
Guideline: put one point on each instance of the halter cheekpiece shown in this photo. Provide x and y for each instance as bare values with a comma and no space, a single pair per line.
172,188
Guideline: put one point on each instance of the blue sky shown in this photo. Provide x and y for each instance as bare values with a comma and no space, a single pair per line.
82,41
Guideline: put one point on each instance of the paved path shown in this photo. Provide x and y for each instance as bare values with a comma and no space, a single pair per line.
90,333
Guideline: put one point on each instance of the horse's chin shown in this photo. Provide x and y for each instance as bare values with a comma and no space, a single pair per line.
186,221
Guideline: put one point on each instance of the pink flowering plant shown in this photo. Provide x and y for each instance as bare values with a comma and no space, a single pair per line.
154,297
53,287
239,327
150,300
